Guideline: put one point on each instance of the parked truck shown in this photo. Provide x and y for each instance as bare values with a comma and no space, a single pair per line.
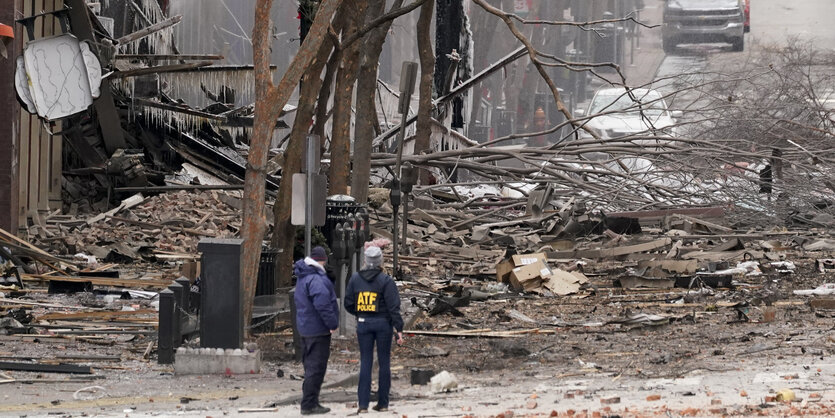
701,21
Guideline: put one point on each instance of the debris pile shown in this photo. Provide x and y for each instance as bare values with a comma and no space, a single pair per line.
164,227
473,261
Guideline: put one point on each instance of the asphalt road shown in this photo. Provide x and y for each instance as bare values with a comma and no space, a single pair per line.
776,21
773,22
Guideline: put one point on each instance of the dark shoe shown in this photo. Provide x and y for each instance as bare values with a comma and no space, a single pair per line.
379,408
362,411
316,410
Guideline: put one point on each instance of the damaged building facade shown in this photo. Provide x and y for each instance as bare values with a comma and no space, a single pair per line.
123,140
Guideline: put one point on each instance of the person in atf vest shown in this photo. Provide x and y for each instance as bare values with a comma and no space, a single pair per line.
317,317
373,298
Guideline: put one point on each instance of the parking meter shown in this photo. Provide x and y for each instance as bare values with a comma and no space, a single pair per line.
350,238
395,194
340,251
394,198
409,177
338,245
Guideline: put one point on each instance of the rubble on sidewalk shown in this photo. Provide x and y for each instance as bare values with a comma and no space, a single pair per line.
159,228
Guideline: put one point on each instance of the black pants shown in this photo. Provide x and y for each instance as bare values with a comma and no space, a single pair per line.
315,360
369,331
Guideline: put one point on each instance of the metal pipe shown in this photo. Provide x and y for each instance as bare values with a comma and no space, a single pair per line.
312,144
405,222
394,239
342,316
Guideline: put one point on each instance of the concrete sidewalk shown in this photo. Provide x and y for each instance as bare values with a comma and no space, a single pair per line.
739,388
641,63
641,68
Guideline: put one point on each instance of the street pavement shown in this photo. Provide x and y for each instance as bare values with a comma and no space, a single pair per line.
777,21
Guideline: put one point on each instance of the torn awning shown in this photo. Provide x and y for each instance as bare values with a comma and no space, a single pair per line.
6,36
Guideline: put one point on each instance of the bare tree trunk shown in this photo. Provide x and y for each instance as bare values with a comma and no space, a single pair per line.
340,149
327,82
270,100
284,233
366,119
427,75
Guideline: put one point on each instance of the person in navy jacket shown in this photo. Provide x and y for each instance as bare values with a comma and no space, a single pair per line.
373,298
317,317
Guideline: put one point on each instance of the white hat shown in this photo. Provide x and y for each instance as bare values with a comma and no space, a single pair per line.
373,257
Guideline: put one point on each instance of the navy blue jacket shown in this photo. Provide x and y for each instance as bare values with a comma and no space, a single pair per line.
317,312
373,293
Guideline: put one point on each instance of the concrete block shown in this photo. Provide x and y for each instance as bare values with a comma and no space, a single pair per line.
216,361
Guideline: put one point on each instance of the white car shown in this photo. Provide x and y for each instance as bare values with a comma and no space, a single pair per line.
615,114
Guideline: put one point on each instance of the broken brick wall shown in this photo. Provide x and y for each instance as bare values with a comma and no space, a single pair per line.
9,124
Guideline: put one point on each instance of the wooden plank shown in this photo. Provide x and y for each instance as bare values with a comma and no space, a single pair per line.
46,368
708,212
23,170
56,170
41,258
676,266
39,30
65,358
156,189
44,165
721,256
612,252
173,57
710,225
144,32
469,334
126,204
95,315
18,302
702,305
100,281
11,238
91,332
161,69
34,166
178,109
37,128
56,25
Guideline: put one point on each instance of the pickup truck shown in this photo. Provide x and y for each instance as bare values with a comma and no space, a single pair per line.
698,21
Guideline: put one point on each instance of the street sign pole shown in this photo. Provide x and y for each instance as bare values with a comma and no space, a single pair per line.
408,75
310,167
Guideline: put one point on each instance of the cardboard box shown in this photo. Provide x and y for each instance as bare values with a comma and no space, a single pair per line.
525,259
504,268
529,277
565,283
